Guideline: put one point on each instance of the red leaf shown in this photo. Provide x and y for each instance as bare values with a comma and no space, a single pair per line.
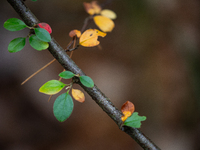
45,26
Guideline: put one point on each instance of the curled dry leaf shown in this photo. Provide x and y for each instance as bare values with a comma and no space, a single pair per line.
45,26
104,23
75,33
108,13
90,36
127,109
92,8
78,95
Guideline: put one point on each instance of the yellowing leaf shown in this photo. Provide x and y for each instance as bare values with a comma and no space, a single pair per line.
127,109
108,13
88,8
78,95
75,33
126,115
90,36
104,23
92,8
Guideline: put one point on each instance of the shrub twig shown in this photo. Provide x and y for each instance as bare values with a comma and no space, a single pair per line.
60,55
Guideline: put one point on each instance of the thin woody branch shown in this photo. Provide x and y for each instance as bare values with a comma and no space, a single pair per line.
59,53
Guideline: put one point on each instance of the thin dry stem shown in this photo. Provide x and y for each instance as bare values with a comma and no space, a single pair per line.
50,98
38,71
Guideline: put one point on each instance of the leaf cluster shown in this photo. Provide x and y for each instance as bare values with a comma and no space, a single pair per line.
131,118
63,105
39,36
39,40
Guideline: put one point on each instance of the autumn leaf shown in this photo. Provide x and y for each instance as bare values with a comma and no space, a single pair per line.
127,109
52,87
104,23
78,95
108,13
126,115
92,8
90,36
45,26
75,33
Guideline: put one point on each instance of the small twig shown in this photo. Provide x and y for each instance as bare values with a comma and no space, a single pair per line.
72,49
86,22
38,71
50,98
70,44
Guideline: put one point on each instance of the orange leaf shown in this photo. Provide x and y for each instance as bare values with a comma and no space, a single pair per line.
126,115
92,8
78,95
90,36
75,33
108,13
127,109
104,23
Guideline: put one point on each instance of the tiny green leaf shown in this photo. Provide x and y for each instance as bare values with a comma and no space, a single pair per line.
66,74
52,87
42,34
34,0
37,43
86,81
63,107
14,24
134,120
16,44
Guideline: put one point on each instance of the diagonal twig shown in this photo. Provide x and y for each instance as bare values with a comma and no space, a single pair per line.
59,53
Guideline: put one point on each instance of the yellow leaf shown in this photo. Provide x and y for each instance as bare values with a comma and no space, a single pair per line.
90,36
104,23
127,109
108,13
75,33
96,7
126,115
78,95
92,8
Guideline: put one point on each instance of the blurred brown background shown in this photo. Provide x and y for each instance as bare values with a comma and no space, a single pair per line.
150,58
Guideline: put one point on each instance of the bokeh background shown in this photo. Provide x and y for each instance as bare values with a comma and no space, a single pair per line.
151,58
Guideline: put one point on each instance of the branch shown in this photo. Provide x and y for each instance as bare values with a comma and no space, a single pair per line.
59,53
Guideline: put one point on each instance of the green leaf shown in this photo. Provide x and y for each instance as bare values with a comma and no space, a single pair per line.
52,87
134,120
16,44
86,81
37,43
42,34
66,74
14,24
63,107
34,0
